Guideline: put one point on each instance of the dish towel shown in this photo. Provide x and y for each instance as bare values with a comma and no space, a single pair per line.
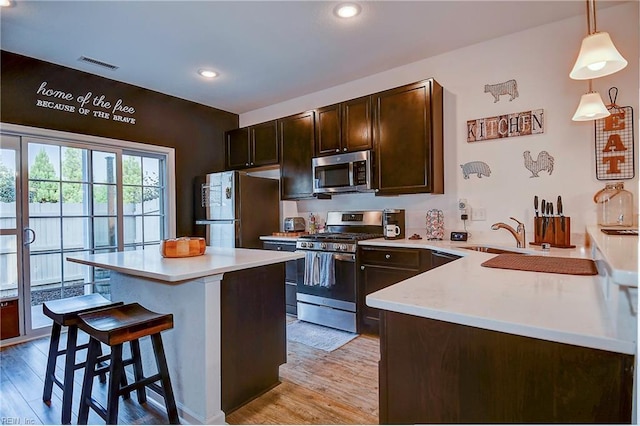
319,269
311,268
327,270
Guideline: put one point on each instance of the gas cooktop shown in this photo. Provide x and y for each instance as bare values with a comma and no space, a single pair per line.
340,236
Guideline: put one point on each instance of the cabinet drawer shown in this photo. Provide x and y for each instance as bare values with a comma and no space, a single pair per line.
280,246
9,319
392,257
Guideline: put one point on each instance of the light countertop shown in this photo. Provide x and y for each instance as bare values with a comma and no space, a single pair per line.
556,307
620,252
150,264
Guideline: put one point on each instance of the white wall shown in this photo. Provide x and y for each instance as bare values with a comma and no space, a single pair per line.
540,60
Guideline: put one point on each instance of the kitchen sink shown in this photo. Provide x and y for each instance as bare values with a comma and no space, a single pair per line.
492,250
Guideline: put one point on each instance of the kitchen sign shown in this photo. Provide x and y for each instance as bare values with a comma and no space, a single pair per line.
87,104
614,142
506,126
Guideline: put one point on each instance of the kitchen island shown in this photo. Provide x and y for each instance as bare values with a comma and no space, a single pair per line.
229,334
477,344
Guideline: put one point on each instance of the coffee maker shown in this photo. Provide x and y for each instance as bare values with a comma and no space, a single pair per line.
393,226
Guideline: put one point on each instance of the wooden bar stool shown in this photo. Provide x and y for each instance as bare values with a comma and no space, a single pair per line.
114,327
64,312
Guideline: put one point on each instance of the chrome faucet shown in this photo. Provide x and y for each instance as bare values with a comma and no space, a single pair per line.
519,235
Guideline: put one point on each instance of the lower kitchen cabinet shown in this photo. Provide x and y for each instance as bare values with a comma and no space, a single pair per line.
9,319
381,267
294,273
439,372
253,333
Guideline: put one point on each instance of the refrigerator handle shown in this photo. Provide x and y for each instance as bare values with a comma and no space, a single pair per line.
238,233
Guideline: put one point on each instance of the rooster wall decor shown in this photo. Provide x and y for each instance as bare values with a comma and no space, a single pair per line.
543,163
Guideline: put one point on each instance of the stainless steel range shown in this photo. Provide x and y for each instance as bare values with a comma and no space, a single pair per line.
327,296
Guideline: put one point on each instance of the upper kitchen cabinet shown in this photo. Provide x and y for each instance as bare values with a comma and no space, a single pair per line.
408,140
296,147
252,146
236,149
344,127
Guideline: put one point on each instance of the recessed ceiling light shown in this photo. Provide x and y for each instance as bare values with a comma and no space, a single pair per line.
207,73
5,3
347,10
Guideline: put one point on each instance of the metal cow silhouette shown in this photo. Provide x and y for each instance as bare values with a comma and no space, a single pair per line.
509,87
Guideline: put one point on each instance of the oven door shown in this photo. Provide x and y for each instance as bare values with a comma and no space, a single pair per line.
333,306
344,288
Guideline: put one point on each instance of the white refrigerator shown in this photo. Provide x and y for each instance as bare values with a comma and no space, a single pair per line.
236,209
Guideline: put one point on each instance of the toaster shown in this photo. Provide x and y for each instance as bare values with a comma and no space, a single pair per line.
294,224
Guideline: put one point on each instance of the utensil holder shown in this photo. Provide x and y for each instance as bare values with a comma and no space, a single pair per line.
553,230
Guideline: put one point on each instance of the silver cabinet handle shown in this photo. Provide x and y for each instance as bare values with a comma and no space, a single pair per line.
33,236
344,149
362,268
387,256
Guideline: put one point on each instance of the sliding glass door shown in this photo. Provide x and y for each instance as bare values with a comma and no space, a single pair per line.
76,198
11,279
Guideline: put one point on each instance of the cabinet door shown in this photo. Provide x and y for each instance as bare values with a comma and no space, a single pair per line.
328,130
356,124
264,144
437,372
374,278
403,135
296,151
237,149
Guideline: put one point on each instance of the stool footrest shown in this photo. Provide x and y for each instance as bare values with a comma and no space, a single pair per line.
58,382
147,381
98,408
105,368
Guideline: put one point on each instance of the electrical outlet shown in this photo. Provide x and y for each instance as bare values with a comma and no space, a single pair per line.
478,214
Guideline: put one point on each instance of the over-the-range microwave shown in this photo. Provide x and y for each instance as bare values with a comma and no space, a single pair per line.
348,172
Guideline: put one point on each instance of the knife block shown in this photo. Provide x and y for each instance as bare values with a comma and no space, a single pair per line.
553,233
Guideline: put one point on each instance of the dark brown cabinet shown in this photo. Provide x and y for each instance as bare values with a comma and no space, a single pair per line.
294,273
381,267
296,150
237,149
253,146
440,372
253,333
408,139
344,127
9,319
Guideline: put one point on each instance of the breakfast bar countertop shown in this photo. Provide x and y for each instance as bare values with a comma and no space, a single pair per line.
150,264
556,307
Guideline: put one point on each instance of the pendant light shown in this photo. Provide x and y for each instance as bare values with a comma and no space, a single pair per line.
598,56
591,107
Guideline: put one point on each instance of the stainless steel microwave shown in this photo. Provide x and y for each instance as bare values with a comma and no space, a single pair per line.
349,172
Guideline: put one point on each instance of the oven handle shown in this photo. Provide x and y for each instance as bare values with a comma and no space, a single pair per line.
345,257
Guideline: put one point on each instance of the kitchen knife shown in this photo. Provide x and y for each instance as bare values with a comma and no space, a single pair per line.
552,219
561,213
535,204
543,207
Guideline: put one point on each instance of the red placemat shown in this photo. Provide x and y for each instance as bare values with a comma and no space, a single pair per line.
554,265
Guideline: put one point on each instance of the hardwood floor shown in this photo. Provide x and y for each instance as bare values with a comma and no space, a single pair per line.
22,369
317,387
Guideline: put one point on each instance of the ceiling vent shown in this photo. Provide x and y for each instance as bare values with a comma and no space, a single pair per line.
98,63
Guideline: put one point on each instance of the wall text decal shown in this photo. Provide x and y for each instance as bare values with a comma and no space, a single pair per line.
87,104
506,126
